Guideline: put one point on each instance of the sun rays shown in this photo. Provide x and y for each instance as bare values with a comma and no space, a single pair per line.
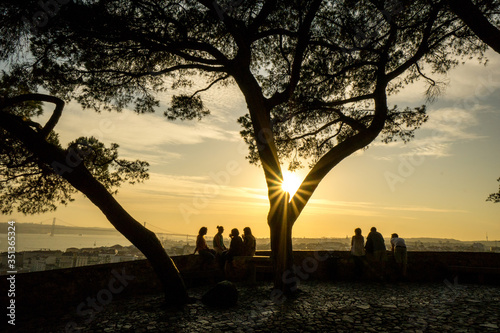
291,183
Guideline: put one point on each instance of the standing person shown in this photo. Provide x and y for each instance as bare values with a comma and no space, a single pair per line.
376,251
358,252
398,247
236,245
218,241
249,243
202,247
375,246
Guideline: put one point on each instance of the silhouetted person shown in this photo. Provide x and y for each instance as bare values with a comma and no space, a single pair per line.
358,252
249,243
376,251
236,245
218,242
202,247
398,247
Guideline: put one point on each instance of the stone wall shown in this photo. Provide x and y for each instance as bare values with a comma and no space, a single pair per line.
68,289
422,266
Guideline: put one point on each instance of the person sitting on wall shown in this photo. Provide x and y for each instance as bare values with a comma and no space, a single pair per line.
219,247
398,247
236,245
218,241
249,243
202,247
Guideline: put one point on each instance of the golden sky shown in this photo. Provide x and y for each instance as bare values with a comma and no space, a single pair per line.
435,186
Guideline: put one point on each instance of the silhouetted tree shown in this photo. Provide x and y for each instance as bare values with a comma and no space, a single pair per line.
495,197
37,174
483,18
315,74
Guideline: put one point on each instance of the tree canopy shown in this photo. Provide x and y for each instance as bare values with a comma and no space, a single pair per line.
37,175
315,62
32,186
495,197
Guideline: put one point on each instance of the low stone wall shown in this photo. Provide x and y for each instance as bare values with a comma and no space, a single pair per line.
84,287
422,266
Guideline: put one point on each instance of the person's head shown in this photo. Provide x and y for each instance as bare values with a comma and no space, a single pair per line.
234,232
247,231
357,231
203,231
220,229
373,229
394,236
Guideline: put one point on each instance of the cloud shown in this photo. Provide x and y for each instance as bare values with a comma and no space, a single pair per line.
145,130
357,204
191,187
473,83
471,92
446,126
423,209
145,136
370,209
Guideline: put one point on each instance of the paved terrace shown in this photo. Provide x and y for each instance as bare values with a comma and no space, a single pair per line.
320,307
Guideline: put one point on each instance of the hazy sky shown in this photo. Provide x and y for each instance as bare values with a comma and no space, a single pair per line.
435,186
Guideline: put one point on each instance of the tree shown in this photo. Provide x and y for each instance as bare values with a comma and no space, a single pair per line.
483,19
38,175
495,197
315,75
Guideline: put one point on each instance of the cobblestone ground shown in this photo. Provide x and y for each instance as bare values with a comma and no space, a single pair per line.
319,307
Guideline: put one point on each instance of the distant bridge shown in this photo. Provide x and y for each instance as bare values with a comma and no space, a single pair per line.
157,230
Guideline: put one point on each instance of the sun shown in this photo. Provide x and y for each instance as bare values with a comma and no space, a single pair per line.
291,182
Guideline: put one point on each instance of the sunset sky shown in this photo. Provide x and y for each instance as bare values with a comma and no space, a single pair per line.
435,186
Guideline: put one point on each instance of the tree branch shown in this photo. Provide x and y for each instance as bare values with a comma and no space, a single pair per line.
21,175
56,114
476,21
317,130
302,43
210,85
422,48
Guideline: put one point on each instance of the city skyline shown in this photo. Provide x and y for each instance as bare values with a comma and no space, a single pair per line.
435,186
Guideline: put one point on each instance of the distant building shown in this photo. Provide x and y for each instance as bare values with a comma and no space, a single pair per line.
495,249
72,250
66,261
478,247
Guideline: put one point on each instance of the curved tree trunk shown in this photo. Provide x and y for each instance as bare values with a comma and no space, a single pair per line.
79,177
144,239
470,14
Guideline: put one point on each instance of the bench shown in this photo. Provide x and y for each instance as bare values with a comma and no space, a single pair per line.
245,268
479,272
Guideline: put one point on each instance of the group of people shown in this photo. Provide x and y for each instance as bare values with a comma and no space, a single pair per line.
238,246
374,248
376,253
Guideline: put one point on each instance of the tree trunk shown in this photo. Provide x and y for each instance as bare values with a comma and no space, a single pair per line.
277,219
144,239
470,14
79,177
280,224
283,213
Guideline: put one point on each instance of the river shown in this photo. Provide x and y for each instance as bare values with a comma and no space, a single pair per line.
31,242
